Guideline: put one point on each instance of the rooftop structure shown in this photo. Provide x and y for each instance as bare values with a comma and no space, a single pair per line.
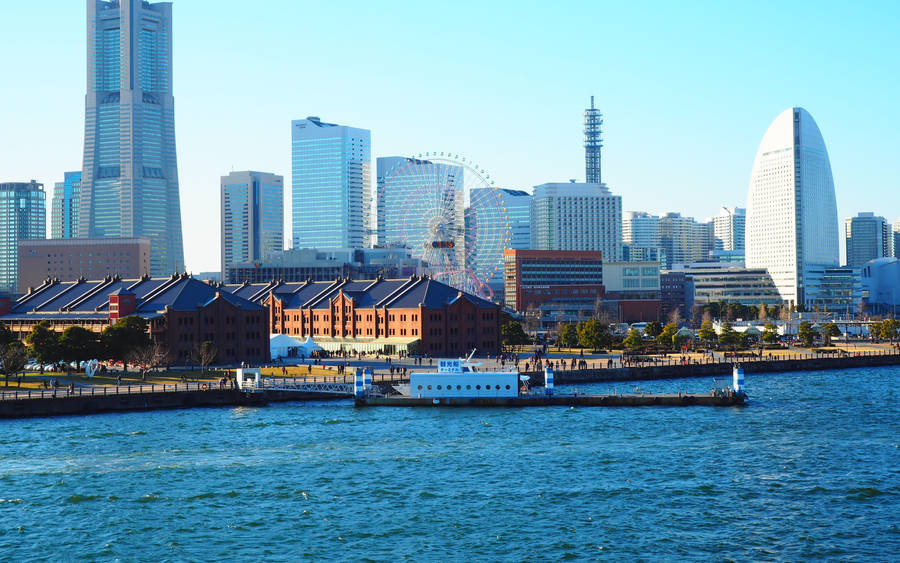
593,142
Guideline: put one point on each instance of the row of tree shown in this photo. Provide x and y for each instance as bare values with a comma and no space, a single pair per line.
126,341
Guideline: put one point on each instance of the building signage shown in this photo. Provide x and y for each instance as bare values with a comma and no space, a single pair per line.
449,366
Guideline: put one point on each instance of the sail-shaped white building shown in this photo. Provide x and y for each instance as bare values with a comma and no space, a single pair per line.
792,222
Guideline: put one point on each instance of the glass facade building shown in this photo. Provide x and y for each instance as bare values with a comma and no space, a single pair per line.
252,217
129,184
23,215
64,208
867,237
573,216
330,185
792,224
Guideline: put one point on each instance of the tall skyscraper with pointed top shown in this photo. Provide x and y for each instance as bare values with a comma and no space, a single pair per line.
792,225
129,184
593,121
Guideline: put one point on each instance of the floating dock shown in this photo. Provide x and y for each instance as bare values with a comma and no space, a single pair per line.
616,400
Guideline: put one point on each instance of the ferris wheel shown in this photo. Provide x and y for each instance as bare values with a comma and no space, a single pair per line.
446,210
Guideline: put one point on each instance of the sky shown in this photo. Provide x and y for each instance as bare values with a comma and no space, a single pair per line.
687,90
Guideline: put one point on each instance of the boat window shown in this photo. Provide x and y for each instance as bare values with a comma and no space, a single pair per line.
429,387
468,386
478,387
439,387
458,387
507,387
420,387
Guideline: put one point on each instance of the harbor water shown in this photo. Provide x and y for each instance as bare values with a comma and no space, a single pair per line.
809,470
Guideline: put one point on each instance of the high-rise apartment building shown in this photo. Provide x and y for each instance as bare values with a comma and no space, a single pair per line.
684,240
896,238
330,185
573,216
792,223
252,217
64,208
23,215
641,238
729,226
867,237
593,142
129,184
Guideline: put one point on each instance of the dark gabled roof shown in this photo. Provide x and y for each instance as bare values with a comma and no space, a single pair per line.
402,293
90,299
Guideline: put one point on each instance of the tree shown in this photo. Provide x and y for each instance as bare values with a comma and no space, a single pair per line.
832,330
674,316
568,335
666,337
513,334
205,353
706,317
633,341
119,340
653,329
889,329
706,333
763,312
593,334
43,343
729,336
12,359
806,333
78,344
770,333
148,357
6,335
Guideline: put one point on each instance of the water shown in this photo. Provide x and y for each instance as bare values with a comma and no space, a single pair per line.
810,470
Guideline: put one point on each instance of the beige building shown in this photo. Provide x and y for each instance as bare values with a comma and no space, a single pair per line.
73,258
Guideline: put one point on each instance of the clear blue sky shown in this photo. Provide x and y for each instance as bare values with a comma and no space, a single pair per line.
687,90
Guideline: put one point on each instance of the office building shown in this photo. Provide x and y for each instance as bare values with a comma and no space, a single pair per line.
330,185
181,312
896,238
728,227
715,283
880,280
252,206
301,264
496,219
684,240
517,205
577,217
81,258
129,183
792,223
23,215
834,290
64,207
867,237
676,294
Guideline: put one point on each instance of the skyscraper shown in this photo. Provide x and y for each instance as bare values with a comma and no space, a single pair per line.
577,217
897,238
252,217
129,184
23,215
330,185
593,121
684,240
729,227
65,206
792,223
867,237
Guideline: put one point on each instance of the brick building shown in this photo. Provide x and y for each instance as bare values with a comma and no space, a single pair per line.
181,312
415,315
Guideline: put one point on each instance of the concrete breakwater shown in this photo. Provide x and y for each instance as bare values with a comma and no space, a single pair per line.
676,370
62,403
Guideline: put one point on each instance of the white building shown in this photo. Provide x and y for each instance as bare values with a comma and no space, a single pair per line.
729,227
792,223
577,216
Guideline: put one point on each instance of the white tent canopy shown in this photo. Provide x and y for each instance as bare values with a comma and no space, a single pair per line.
309,346
280,345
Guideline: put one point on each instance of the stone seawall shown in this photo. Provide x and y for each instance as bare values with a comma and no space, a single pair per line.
63,405
653,372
